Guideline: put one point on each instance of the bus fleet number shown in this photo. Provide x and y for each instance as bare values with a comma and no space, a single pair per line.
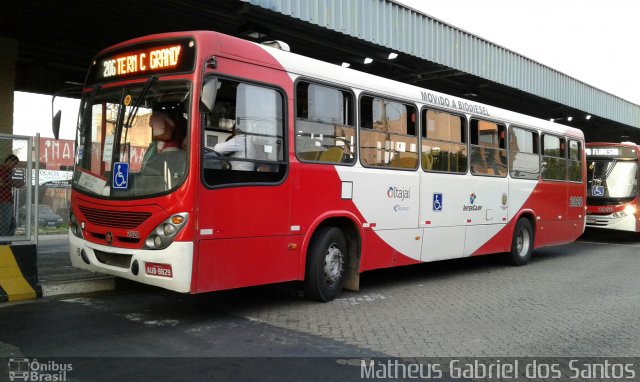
575,201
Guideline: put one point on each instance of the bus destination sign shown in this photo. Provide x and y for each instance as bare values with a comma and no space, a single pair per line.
622,152
162,57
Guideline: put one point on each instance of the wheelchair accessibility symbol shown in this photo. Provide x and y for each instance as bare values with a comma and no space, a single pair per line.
120,175
437,201
597,190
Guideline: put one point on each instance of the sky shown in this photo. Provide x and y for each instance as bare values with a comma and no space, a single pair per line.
594,41
32,114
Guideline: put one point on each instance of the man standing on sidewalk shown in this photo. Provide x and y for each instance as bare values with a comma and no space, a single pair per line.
7,183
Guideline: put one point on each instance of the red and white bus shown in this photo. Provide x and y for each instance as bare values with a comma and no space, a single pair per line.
335,171
612,186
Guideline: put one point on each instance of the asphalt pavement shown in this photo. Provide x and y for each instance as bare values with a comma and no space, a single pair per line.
576,300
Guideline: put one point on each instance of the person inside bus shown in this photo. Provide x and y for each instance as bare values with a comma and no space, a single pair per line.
238,146
163,128
167,134
7,183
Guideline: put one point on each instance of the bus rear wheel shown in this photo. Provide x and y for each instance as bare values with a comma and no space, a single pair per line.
326,264
522,243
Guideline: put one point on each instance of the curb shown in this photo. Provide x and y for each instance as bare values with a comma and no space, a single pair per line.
88,285
19,273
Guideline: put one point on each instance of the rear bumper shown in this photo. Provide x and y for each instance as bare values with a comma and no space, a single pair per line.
179,255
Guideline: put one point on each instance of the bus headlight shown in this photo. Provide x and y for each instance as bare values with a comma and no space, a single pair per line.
74,227
162,236
630,209
169,229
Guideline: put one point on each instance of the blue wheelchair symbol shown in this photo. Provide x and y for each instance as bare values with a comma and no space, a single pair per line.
437,201
120,175
597,190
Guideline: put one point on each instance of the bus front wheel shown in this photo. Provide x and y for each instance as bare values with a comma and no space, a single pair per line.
326,264
522,243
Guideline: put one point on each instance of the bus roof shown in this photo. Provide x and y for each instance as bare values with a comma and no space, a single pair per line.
210,42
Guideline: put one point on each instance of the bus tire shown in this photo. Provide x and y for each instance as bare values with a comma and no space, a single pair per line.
522,243
327,259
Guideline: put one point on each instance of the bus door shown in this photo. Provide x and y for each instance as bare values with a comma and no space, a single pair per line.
443,197
576,189
485,209
387,190
243,204
444,184
552,192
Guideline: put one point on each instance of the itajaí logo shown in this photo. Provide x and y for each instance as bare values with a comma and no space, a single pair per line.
472,198
398,193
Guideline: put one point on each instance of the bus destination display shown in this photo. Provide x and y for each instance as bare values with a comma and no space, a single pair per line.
622,152
144,60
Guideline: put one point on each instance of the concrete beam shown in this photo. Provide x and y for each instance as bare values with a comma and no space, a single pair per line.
8,54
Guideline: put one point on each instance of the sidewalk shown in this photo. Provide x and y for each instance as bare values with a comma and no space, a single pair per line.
56,274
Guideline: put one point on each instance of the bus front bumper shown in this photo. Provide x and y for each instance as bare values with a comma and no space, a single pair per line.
626,223
170,268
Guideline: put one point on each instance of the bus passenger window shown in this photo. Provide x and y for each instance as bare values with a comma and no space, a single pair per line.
444,142
325,130
575,161
524,156
554,162
243,135
388,135
487,149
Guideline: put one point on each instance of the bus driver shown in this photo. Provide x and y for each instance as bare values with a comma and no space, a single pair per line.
238,146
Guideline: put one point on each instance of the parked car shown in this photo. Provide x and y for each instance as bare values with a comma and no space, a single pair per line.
47,217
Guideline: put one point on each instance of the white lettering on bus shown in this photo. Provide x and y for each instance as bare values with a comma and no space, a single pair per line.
603,152
452,103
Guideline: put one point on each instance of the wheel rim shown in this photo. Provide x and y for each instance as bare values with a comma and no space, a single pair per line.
333,262
522,242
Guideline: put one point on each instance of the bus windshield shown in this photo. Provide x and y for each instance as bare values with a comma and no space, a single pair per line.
611,178
132,139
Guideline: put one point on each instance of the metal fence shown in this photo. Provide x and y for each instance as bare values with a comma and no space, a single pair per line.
19,189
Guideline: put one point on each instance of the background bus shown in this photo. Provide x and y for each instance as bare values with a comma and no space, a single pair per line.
283,168
612,186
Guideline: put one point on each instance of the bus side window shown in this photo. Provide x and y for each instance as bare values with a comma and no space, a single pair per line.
244,135
388,136
554,162
524,156
325,130
444,142
574,164
487,149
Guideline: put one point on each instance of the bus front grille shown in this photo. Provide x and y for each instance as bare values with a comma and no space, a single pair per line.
116,219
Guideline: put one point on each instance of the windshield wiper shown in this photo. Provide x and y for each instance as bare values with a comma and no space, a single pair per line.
120,122
136,106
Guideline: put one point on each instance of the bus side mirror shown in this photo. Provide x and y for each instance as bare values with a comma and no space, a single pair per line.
208,96
55,125
55,122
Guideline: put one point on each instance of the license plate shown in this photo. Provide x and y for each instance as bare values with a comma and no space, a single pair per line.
51,224
155,269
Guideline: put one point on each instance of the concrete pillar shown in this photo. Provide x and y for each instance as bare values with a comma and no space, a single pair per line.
8,55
